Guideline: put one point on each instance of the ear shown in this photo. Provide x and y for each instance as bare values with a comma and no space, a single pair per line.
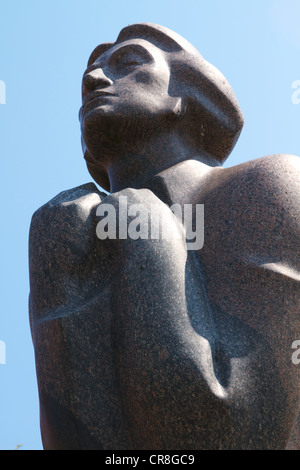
179,109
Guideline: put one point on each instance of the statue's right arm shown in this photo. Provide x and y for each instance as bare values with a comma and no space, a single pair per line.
61,242
71,324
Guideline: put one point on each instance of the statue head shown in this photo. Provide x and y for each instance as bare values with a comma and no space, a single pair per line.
165,82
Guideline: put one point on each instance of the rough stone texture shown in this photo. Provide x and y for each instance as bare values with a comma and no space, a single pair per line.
141,344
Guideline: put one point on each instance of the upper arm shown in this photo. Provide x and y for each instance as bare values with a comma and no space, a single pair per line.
251,249
251,255
272,198
61,241
269,286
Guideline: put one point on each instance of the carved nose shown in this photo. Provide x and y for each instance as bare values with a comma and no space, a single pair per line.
94,79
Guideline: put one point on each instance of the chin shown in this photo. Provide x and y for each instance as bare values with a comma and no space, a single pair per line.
117,132
102,133
103,126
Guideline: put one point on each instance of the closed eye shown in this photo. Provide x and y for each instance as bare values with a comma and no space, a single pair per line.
130,63
124,60
129,57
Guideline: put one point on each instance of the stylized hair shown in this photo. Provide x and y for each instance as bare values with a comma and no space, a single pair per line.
216,119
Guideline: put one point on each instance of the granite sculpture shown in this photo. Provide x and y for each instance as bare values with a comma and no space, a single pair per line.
141,343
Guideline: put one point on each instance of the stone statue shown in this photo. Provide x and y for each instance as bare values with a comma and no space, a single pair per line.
140,342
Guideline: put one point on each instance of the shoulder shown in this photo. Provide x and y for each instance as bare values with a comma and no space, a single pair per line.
65,222
271,183
269,207
256,206
74,196
72,204
281,169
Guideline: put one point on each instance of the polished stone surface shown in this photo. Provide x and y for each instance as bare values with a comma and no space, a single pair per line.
143,344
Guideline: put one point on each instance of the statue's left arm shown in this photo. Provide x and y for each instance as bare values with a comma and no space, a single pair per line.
252,265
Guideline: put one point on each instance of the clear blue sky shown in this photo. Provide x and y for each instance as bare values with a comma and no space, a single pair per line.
44,46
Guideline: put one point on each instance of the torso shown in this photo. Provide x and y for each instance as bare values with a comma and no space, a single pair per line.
152,347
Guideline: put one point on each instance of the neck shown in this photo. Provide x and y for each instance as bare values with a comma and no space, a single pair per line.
163,162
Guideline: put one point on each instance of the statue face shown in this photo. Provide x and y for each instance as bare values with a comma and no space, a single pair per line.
125,94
